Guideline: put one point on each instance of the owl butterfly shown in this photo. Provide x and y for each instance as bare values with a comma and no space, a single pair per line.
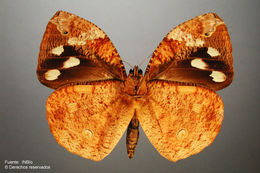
174,101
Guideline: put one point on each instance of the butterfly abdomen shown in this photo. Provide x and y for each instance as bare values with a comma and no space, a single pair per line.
132,136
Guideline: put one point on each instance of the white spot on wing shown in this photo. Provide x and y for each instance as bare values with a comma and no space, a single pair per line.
52,74
76,41
58,50
179,35
218,76
176,34
198,42
96,33
199,63
71,62
93,33
213,52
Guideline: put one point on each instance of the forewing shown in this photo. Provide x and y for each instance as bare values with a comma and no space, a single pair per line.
76,50
197,51
180,120
89,120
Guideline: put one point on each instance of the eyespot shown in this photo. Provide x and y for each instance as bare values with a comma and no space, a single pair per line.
65,32
140,71
206,34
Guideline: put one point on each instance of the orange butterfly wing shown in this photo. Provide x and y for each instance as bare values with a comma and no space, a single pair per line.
89,111
74,50
198,51
89,119
180,120
179,117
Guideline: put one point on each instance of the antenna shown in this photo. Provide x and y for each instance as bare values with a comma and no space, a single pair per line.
128,64
145,60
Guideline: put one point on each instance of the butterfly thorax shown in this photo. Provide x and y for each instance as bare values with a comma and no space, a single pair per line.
135,84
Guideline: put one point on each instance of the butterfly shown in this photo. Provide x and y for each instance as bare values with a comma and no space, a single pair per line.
95,101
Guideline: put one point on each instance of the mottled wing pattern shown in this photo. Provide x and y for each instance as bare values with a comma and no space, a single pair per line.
89,119
198,51
76,50
180,120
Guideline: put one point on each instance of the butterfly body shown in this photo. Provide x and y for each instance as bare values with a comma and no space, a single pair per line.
174,101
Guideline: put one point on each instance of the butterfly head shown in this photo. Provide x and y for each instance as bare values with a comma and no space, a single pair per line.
136,72
135,84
